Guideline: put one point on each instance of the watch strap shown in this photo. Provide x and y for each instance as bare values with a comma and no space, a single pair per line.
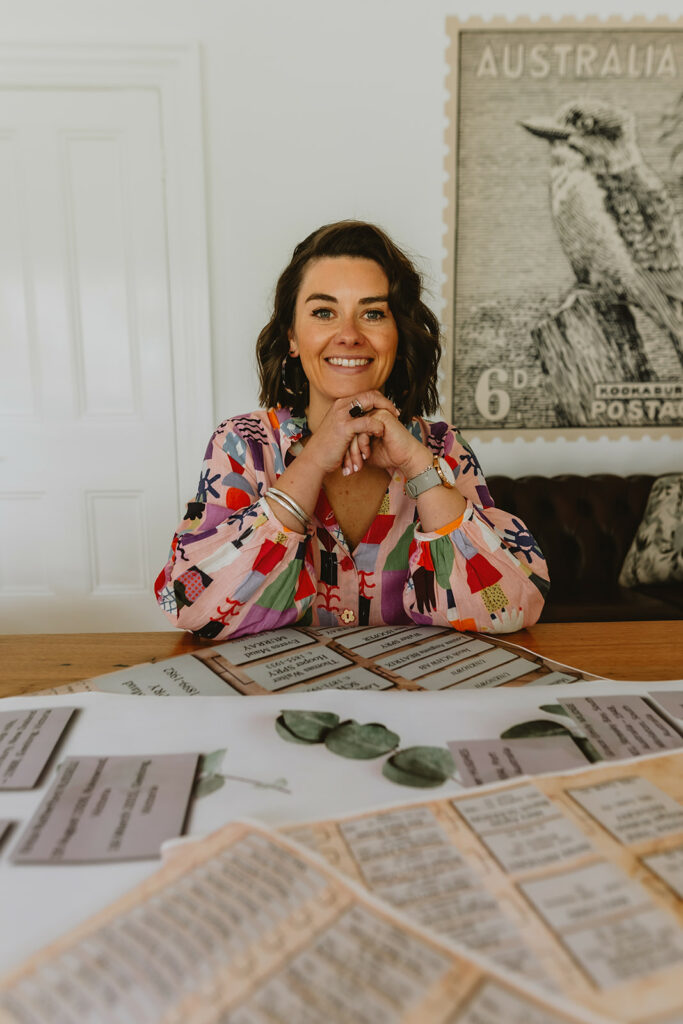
424,481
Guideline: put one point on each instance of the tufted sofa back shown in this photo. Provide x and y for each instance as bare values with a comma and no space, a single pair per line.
584,525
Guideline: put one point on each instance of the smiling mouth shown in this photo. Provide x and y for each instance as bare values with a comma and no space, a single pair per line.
338,361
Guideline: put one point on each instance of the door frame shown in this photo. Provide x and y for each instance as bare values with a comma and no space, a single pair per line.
174,73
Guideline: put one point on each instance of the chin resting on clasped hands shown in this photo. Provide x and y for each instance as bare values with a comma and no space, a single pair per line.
338,503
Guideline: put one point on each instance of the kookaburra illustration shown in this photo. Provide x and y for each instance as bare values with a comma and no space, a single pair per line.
615,219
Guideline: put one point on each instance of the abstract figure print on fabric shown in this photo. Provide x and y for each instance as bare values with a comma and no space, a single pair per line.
234,569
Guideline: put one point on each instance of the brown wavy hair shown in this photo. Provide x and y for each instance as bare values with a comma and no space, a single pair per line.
412,383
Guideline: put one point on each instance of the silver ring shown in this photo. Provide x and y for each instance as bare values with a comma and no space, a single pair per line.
356,409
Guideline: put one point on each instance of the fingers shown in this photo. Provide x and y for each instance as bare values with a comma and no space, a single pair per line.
359,450
353,459
368,401
364,445
370,425
344,441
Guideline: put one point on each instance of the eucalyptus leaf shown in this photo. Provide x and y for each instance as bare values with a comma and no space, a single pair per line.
537,727
311,726
403,778
430,762
208,784
361,742
282,730
554,709
210,763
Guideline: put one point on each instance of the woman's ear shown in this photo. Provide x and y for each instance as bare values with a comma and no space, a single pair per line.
293,349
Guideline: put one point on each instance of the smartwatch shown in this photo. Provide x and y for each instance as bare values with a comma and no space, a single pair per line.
438,474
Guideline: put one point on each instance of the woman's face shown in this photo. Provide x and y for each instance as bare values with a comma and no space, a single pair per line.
343,330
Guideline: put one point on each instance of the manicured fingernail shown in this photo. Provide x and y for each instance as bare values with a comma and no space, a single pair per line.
345,471
364,455
355,468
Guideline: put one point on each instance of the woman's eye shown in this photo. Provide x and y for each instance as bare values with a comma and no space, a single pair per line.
322,314
375,314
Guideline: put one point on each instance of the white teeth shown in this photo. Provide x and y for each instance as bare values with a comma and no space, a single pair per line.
348,362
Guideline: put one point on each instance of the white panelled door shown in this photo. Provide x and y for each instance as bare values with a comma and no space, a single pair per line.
88,467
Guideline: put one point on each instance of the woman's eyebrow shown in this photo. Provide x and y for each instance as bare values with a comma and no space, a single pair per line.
321,297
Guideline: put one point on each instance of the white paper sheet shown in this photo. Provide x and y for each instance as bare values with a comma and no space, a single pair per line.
259,776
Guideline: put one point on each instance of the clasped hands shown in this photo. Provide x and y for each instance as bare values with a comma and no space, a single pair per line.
376,437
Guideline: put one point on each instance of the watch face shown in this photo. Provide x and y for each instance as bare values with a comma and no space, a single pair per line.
449,475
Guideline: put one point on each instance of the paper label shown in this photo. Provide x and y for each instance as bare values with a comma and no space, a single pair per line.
553,679
482,761
537,846
608,922
512,669
585,894
184,676
263,645
671,701
621,727
494,1004
27,741
372,642
467,669
523,830
109,808
417,661
668,865
296,668
406,859
520,805
354,679
631,808
634,946
386,972
332,632
370,635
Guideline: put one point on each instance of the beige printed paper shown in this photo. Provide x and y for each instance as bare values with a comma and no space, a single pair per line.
246,927
572,880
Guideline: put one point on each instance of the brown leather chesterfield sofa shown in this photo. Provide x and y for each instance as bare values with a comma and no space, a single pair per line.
585,525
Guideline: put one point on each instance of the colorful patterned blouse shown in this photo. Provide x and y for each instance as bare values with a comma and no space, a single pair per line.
235,569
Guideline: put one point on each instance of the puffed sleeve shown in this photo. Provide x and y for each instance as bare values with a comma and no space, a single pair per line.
484,571
233,567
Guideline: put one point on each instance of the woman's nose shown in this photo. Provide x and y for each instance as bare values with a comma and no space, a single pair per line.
349,331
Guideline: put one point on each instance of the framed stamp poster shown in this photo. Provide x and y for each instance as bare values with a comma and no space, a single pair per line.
564,276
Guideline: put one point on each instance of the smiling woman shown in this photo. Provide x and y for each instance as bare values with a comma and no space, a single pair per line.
338,504
346,342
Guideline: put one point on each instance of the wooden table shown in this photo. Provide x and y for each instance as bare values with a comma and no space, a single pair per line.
621,650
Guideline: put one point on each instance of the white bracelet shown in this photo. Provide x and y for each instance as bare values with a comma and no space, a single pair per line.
287,509
289,504
296,508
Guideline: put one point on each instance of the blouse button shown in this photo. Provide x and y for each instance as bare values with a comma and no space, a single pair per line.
347,616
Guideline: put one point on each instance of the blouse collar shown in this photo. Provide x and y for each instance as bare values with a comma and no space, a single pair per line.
292,428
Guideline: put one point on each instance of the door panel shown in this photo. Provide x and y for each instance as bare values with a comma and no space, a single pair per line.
88,461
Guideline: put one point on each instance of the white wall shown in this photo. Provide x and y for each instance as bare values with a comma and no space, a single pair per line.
316,111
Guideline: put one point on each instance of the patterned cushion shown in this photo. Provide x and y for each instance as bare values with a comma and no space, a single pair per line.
656,554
